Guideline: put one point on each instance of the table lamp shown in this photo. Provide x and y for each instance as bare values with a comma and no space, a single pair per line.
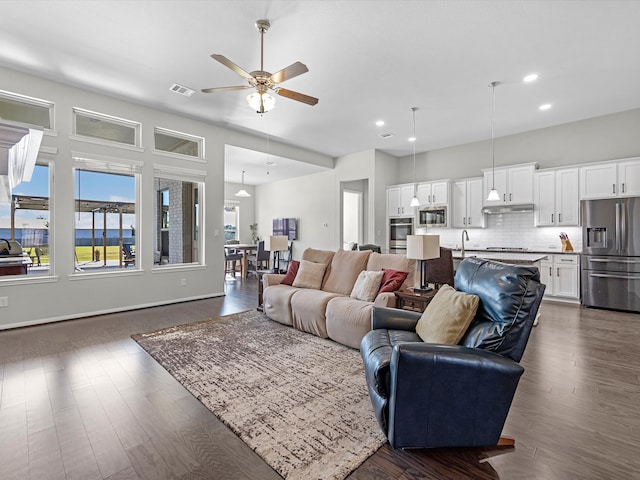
276,244
421,248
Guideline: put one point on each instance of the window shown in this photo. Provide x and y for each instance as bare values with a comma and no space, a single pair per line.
104,127
105,214
178,143
28,213
19,108
230,223
178,215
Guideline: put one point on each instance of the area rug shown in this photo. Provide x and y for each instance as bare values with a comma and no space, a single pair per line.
299,401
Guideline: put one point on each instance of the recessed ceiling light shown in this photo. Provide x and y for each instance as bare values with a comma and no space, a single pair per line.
379,123
530,78
412,139
545,106
386,135
270,164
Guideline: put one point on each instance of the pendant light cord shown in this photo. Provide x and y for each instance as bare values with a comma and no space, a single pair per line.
493,86
413,109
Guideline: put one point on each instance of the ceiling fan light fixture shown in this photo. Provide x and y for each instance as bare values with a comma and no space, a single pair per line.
261,102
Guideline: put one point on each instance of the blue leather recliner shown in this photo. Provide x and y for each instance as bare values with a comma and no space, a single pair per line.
431,395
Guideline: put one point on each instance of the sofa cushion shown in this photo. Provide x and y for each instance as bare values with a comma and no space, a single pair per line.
309,275
319,256
277,303
348,320
308,309
345,268
447,317
378,261
366,286
392,280
291,273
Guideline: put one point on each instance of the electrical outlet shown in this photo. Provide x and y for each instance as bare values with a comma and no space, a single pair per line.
183,282
4,301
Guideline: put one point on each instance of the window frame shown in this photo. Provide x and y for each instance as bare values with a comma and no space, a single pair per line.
197,177
37,102
114,166
183,136
136,126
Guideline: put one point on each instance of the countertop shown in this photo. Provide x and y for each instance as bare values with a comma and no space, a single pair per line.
525,256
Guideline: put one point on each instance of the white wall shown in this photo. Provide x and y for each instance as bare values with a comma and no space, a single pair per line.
63,295
593,140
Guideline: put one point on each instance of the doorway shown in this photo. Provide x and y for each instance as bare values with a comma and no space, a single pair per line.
352,218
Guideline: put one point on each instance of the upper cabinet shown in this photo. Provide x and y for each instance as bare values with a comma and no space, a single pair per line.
556,197
399,201
466,203
433,193
514,184
610,179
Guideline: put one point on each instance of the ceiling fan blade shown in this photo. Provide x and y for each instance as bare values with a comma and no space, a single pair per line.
229,64
225,89
289,72
300,97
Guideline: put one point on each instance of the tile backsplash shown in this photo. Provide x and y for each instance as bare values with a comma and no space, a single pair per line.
509,230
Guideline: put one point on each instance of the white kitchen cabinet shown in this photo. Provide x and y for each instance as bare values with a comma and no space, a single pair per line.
561,274
556,198
514,184
466,203
433,193
399,201
610,179
629,177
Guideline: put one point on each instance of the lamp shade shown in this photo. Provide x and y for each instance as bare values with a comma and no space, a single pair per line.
423,247
276,243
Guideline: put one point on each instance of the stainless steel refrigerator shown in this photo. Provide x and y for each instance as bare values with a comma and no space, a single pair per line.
611,253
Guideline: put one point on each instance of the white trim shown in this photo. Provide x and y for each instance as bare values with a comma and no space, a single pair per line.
171,172
37,102
82,112
181,135
106,164
105,274
111,310
106,143
181,156
28,279
178,267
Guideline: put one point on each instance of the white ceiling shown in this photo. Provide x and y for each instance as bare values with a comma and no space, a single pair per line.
368,60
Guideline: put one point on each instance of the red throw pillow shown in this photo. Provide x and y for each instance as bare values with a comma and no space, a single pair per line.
392,280
291,273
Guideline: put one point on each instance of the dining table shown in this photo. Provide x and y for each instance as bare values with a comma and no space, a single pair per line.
245,249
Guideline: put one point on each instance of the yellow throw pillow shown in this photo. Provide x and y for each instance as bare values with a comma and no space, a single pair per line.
309,275
447,317
367,286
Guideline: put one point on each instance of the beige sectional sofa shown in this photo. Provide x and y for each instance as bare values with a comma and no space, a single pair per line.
330,311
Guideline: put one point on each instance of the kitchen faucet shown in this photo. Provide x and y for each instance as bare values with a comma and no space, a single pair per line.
464,234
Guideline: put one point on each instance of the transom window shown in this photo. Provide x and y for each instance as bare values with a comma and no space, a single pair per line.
20,108
105,127
178,143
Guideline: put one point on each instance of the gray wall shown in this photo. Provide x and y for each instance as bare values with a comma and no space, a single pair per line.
64,295
596,139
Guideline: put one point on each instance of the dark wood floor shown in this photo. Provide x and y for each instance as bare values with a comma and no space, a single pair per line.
80,400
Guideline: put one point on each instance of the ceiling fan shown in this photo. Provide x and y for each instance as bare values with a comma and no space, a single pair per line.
263,81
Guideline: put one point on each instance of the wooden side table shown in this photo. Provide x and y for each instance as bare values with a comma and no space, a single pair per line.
414,301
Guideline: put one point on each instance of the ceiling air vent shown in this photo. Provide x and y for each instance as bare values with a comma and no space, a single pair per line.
386,135
182,90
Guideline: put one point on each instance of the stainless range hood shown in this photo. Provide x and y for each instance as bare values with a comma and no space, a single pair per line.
497,209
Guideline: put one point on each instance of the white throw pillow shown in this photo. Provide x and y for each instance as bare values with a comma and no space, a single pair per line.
367,285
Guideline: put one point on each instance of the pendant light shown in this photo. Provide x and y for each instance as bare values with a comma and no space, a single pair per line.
242,192
493,194
414,201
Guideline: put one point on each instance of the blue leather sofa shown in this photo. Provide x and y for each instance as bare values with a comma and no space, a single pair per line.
432,395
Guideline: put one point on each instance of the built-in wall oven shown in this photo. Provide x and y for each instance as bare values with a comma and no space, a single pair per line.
399,228
432,216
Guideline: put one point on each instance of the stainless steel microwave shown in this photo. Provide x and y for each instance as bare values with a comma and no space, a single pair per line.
432,216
